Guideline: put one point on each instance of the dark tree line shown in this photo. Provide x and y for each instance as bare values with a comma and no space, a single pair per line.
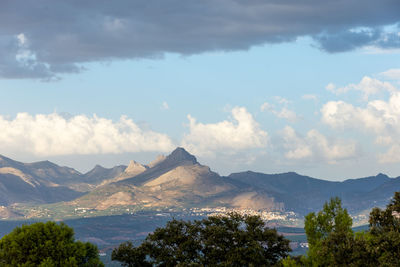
238,240
233,240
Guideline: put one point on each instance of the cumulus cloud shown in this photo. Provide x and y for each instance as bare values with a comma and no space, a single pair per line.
68,33
284,112
229,136
367,86
316,147
379,118
53,134
392,74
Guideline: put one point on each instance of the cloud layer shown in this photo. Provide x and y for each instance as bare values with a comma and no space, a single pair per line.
53,134
43,39
240,133
367,86
379,118
316,147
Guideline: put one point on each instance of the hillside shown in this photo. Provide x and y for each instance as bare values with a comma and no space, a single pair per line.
177,181
46,182
304,194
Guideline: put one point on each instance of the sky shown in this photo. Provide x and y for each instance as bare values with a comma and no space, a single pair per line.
269,86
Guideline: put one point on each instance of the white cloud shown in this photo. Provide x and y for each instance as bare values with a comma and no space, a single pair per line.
53,134
281,100
266,107
287,114
315,146
228,136
367,86
165,106
392,74
22,40
283,113
378,117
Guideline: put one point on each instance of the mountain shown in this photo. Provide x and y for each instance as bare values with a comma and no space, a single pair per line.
177,180
304,194
46,182
98,174
33,182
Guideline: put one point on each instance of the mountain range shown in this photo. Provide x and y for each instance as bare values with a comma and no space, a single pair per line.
179,181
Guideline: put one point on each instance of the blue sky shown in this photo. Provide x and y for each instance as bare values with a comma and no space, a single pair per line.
321,101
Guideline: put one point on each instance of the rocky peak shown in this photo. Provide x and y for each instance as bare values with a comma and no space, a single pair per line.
181,155
135,168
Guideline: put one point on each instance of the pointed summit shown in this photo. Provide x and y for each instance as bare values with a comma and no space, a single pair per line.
382,175
181,155
134,168
98,168
178,157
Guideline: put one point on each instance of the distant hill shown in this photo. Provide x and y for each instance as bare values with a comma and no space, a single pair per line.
179,181
304,194
46,182
33,182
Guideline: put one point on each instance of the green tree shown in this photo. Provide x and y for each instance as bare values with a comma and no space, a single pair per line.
331,239
384,235
233,240
333,243
46,244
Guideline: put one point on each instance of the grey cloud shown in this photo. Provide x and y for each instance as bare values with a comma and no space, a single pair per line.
346,40
63,35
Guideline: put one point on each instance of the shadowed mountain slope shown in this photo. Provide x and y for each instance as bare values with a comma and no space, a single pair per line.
304,194
35,183
98,174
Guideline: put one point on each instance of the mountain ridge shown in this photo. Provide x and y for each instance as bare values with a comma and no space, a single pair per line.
178,180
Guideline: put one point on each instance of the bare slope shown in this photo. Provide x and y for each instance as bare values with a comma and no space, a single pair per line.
32,183
177,181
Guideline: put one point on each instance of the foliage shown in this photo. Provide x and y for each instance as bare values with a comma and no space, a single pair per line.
329,235
46,244
333,243
233,240
385,233
294,261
